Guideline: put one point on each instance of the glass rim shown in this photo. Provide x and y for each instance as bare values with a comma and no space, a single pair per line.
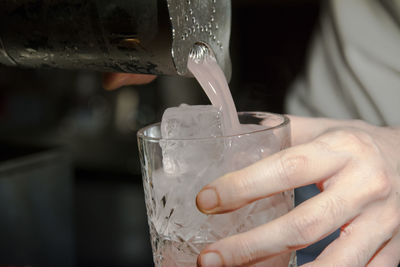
285,121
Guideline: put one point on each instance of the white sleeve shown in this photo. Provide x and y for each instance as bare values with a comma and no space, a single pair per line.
353,68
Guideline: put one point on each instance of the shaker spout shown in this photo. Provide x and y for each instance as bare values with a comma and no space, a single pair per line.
206,21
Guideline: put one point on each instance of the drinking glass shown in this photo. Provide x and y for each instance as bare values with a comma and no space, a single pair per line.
175,170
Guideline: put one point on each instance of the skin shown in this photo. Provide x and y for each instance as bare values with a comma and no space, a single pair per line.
112,81
357,168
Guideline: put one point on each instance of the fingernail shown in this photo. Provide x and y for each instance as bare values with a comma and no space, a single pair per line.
210,259
207,199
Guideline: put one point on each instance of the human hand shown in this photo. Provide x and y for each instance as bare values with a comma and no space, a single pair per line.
113,81
357,168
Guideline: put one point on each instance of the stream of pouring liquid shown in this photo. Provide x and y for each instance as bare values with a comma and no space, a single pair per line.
210,76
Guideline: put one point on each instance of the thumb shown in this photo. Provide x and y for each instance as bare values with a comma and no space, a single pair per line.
113,81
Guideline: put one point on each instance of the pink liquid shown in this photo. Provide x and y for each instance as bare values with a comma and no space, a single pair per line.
208,73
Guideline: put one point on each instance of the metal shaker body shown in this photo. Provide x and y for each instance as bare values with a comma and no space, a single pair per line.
138,36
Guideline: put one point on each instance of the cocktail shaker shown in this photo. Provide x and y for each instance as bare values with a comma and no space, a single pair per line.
135,36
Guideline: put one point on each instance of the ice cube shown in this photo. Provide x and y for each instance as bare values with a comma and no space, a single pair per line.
185,122
249,147
174,197
188,144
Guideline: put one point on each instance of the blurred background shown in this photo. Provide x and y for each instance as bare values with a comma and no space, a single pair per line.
70,182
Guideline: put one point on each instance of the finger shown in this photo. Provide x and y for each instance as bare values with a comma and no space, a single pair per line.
389,255
113,81
306,129
308,223
358,241
311,221
294,167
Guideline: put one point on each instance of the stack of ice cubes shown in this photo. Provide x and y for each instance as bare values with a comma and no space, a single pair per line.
192,152
194,155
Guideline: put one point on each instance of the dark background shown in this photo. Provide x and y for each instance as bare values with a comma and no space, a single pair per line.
67,112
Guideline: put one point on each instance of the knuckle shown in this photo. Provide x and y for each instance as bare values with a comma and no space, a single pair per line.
290,167
322,144
356,141
382,186
353,139
335,207
243,253
304,230
310,227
